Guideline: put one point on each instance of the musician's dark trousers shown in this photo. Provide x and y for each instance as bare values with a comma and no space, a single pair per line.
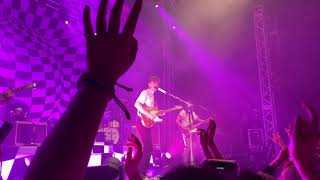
146,138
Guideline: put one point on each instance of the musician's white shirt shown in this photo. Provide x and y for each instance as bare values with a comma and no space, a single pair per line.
146,98
185,119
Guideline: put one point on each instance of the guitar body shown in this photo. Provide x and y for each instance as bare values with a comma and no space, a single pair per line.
149,123
187,129
146,121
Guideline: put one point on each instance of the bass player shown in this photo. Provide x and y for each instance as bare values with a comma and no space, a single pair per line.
188,124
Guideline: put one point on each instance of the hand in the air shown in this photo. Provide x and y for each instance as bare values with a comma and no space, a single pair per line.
206,136
283,155
132,162
305,144
203,137
110,53
276,138
211,130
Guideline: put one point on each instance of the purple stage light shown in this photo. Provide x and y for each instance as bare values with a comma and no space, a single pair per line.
150,173
168,155
173,27
66,22
27,161
156,6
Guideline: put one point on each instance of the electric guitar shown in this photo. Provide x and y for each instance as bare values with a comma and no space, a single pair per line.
147,122
9,93
187,129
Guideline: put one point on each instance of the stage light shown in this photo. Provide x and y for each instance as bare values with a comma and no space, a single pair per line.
168,155
27,161
150,173
156,6
156,158
66,22
173,27
165,159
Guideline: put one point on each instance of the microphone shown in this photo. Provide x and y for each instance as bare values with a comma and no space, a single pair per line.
162,91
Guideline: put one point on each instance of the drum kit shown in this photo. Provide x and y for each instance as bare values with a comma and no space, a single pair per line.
113,125
16,112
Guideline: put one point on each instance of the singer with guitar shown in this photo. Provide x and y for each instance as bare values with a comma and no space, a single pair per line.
143,102
188,124
148,114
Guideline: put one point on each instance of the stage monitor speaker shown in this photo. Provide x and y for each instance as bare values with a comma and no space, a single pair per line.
111,169
103,172
30,133
227,168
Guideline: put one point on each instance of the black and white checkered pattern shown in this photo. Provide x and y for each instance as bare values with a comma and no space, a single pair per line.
36,47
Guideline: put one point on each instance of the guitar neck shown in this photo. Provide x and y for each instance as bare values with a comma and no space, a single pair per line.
18,89
15,90
167,110
198,124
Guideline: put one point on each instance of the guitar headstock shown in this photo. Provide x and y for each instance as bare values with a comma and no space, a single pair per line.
30,86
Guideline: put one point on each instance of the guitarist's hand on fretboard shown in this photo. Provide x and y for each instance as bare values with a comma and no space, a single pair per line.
161,114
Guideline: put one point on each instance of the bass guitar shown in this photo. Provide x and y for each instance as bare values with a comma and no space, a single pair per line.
193,129
9,93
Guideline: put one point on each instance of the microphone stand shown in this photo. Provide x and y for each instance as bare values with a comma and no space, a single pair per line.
189,112
191,120
183,101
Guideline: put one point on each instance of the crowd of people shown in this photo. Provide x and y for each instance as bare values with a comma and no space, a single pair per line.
65,153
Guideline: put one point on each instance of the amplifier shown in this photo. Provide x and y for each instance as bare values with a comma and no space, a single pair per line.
30,133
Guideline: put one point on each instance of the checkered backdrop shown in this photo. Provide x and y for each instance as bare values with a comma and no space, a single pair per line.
35,46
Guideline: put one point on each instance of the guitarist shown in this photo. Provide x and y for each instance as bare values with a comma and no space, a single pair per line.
143,102
185,122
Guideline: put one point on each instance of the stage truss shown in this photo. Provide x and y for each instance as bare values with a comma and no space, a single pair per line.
263,48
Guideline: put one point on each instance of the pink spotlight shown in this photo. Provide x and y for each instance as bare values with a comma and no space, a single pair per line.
66,22
168,155
156,6
173,27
